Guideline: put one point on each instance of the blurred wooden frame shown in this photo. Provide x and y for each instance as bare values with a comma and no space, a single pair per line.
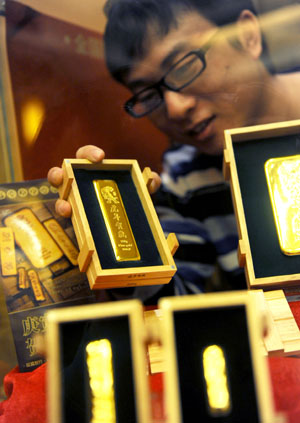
256,327
132,309
11,165
88,259
234,138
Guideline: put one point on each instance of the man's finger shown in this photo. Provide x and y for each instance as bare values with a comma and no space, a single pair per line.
90,152
155,184
55,176
63,208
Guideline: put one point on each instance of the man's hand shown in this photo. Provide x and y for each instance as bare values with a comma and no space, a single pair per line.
94,154
55,175
155,183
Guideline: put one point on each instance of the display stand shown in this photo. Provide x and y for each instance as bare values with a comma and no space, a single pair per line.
283,337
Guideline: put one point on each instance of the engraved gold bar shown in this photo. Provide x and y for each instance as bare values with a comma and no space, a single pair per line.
7,252
23,282
216,378
100,367
116,220
62,240
36,285
33,238
283,179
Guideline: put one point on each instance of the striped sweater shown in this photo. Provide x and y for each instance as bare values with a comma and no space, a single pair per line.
195,203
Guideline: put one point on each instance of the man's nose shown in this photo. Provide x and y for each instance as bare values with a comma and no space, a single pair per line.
178,104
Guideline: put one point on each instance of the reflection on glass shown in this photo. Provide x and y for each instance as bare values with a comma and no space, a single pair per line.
283,178
215,374
32,115
100,369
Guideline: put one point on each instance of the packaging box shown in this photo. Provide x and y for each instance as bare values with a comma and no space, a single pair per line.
214,366
97,364
38,269
247,153
97,257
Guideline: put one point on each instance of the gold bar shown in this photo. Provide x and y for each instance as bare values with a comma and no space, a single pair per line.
36,285
283,179
101,376
8,254
116,220
62,240
215,374
33,238
23,282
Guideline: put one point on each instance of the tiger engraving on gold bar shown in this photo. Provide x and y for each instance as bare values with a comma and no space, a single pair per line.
7,249
33,238
62,240
36,285
283,179
116,220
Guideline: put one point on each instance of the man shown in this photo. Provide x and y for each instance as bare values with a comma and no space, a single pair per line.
193,76
193,81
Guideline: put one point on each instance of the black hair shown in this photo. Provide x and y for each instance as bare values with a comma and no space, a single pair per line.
128,24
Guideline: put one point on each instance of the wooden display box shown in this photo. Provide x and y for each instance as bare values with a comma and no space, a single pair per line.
194,326
246,151
74,374
96,257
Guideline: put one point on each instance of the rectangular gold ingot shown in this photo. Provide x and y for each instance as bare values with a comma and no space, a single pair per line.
36,285
7,250
116,220
23,282
283,178
99,361
216,378
62,240
33,238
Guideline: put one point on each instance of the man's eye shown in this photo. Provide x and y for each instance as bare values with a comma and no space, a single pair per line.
147,96
185,69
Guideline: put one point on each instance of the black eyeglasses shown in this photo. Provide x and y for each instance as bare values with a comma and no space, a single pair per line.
179,76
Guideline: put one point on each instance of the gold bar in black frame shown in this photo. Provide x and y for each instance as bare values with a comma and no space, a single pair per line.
216,378
99,360
283,178
116,220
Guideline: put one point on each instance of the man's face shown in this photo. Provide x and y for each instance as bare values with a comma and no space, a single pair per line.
226,95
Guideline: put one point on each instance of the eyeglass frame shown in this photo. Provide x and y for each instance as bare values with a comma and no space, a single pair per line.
200,53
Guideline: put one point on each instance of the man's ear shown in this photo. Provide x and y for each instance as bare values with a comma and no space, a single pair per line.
249,33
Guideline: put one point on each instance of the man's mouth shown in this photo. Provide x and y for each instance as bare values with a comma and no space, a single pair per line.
201,127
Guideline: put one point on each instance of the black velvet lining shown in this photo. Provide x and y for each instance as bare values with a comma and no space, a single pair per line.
226,327
200,204
135,212
268,259
76,392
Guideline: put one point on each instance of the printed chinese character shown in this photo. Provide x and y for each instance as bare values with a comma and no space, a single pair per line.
33,324
31,347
